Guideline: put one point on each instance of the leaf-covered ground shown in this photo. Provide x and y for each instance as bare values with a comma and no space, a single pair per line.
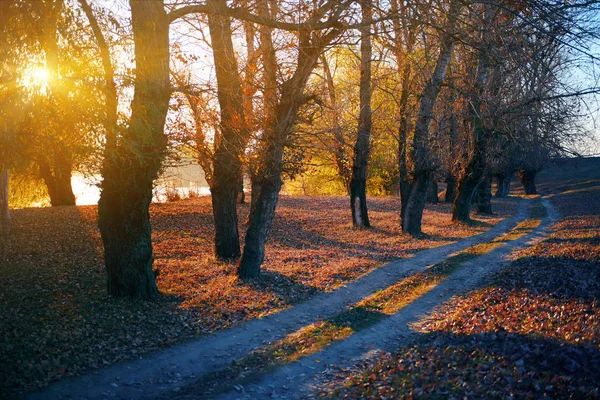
534,332
57,320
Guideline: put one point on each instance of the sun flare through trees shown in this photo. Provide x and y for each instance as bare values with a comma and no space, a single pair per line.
248,154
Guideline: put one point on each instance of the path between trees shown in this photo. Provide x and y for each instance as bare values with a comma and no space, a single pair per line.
162,373
302,379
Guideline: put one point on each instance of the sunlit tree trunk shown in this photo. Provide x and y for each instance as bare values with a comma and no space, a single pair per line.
227,167
57,177
56,166
269,98
358,182
4,210
249,90
130,168
413,215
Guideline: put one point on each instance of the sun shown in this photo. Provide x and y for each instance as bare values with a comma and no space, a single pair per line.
36,78
40,76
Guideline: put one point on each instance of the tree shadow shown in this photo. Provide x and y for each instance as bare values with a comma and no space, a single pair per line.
496,365
57,319
282,286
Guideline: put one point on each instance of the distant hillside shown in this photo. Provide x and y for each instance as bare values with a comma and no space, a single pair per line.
570,174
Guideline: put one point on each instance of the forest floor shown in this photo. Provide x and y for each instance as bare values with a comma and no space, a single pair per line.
58,322
512,312
532,332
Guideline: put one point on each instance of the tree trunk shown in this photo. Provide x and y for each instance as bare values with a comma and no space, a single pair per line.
462,203
503,188
242,194
358,182
4,210
527,178
254,194
409,38
450,189
58,181
227,158
275,136
56,167
432,192
472,176
484,196
130,169
411,223
475,168
260,226
413,216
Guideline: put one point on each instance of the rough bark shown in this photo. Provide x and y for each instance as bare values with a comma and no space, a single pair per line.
4,210
227,158
411,223
484,196
527,178
416,203
462,203
450,189
358,181
432,192
503,189
130,168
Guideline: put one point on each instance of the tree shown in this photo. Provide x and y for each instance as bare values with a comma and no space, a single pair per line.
227,165
57,169
339,142
4,210
358,181
123,214
404,33
5,76
419,156
311,45
475,167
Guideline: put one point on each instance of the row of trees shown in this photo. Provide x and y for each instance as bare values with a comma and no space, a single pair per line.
465,90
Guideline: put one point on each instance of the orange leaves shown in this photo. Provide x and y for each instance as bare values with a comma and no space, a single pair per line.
58,321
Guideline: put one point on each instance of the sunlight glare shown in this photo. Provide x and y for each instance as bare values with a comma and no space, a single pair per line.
36,78
40,75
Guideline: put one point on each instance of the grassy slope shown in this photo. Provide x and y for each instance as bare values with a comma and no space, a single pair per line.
533,333
57,320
